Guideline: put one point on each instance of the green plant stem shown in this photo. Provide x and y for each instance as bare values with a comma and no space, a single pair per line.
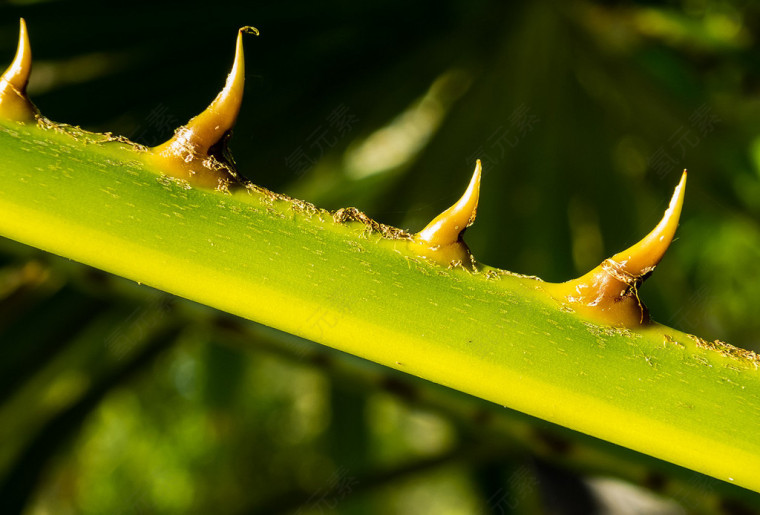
286,265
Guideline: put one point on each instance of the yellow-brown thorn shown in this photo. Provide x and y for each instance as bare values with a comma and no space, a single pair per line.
609,293
198,150
14,103
441,240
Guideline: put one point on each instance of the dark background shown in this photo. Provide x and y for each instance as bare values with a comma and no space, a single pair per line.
114,398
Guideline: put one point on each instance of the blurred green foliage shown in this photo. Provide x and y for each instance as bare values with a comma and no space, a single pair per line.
115,399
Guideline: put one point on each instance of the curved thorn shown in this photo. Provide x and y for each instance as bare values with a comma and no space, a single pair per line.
187,153
209,127
14,103
609,292
447,227
642,257
17,74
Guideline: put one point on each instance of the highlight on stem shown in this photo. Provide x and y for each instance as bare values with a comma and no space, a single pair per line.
441,240
609,293
198,150
14,102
